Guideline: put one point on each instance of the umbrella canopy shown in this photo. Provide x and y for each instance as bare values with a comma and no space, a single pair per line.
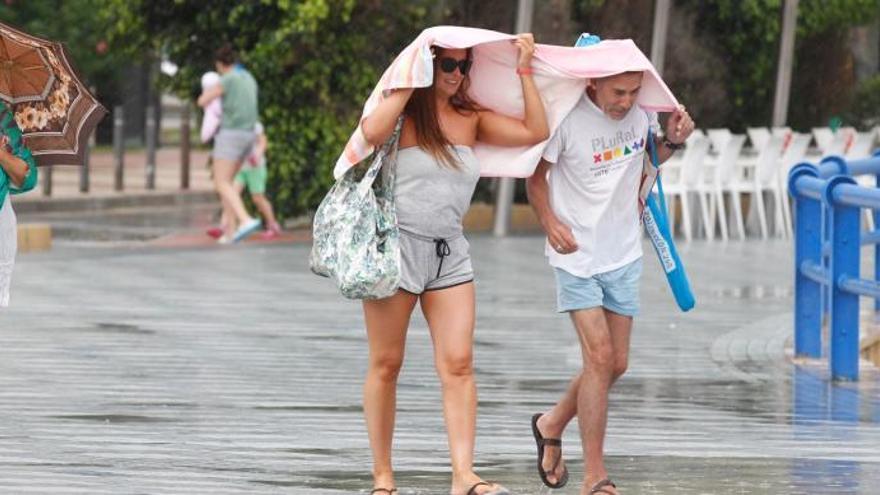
53,108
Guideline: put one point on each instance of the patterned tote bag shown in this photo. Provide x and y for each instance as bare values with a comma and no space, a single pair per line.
356,238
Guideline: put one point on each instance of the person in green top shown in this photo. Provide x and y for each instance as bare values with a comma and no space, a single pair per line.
18,173
236,138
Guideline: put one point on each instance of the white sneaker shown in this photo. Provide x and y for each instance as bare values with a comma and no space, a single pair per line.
246,229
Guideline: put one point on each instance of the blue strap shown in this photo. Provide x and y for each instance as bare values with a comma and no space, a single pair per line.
652,147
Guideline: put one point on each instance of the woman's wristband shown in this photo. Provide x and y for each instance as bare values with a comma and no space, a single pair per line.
524,71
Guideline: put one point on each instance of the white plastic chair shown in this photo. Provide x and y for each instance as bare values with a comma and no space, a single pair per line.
725,168
794,153
842,141
759,136
689,175
719,138
695,136
764,179
824,136
862,146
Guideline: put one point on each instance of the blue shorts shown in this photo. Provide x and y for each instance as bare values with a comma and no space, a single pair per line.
616,291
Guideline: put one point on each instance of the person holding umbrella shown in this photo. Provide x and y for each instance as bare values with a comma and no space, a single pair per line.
18,173
46,117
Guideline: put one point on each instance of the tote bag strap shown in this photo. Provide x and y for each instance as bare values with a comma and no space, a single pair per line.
389,148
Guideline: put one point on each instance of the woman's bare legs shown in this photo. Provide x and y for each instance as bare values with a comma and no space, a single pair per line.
450,316
224,173
387,321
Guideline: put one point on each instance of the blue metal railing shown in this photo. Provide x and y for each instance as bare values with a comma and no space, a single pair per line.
827,251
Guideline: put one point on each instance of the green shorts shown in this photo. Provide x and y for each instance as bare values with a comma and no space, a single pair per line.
253,178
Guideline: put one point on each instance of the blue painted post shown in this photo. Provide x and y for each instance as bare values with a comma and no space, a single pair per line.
807,247
839,165
845,249
826,260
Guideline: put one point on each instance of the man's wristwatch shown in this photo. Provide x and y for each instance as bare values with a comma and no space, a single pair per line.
673,146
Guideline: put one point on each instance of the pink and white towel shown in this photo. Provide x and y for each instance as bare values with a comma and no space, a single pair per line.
561,74
214,111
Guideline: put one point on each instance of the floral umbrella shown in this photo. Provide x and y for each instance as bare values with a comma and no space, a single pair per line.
53,108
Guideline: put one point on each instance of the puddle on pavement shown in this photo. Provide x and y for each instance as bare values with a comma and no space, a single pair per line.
333,338
122,328
114,418
316,407
170,405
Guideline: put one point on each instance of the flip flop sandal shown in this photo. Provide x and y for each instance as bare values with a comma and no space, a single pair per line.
600,487
498,491
389,491
548,442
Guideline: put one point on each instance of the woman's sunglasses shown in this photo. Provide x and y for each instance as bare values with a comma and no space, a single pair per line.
448,64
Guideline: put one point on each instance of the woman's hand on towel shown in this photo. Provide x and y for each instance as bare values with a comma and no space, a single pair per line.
679,126
526,44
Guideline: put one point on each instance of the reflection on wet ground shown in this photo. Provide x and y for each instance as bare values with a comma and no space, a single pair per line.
237,371
649,475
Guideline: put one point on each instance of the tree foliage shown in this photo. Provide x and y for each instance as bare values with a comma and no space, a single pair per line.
748,33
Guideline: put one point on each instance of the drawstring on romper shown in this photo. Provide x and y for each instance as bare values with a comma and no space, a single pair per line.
443,250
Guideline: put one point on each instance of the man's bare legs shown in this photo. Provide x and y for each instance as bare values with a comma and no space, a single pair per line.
604,337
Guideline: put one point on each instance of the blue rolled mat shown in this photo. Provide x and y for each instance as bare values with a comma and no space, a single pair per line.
656,223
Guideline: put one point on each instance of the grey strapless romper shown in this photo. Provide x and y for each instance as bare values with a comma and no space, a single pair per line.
431,199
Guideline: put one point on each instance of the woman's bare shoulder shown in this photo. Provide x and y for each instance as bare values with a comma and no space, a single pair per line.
408,134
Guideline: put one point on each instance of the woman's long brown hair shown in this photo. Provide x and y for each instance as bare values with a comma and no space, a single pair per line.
422,109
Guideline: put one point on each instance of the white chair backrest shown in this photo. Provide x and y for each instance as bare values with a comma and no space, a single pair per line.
727,159
781,131
696,135
843,139
862,146
824,136
758,136
769,160
693,159
796,150
719,138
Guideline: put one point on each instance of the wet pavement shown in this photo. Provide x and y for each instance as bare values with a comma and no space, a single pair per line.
231,371
131,226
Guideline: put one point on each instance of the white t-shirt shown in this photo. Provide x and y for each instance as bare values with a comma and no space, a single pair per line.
594,186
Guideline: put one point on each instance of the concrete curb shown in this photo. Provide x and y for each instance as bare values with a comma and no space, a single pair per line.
121,200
